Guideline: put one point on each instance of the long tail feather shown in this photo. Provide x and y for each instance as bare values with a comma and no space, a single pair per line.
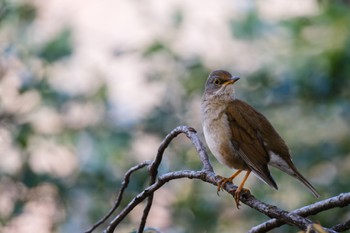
305,182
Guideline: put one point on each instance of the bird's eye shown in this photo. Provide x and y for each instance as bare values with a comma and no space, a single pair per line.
217,81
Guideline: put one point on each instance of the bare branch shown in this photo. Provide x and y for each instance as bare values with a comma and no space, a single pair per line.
150,190
275,212
339,201
192,135
155,165
211,178
203,156
125,184
207,175
342,226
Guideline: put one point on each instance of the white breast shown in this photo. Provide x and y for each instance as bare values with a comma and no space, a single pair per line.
216,138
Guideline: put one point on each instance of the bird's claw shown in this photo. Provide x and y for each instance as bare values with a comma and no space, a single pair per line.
238,195
223,180
221,183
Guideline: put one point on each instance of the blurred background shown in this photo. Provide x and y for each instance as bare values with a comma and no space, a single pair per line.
90,88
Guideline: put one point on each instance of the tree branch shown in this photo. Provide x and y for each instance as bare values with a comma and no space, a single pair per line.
338,201
153,171
150,190
342,226
207,175
125,184
192,135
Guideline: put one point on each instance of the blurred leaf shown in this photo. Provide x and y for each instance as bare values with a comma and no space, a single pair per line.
194,212
195,77
178,18
296,25
154,48
58,48
25,13
251,27
24,133
161,121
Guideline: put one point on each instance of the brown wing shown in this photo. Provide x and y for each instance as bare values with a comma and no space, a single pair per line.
248,131
254,137
272,140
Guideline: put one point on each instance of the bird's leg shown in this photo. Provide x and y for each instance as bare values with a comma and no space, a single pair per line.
224,180
240,188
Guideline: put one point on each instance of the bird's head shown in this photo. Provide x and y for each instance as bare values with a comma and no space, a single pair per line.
220,83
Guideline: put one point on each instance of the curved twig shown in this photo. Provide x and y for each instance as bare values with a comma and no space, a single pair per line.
211,178
156,162
119,197
207,175
150,190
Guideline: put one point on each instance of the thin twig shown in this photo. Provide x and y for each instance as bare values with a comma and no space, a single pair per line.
145,213
341,200
154,170
200,148
207,175
150,190
211,178
119,197
342,226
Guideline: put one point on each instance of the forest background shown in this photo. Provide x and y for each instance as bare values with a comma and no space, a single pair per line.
90,88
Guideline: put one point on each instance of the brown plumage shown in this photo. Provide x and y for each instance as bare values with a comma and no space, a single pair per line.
240,137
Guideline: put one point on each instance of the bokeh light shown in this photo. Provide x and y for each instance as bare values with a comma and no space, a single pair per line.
89,89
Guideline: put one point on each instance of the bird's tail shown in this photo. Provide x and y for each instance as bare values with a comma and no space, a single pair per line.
292,171
302,179
288,167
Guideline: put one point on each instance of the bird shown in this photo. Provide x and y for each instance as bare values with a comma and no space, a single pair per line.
242,138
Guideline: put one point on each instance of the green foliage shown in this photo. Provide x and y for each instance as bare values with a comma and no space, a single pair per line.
10,11
178,18
250,27
57,48
23,134
157,47
196,74
322,76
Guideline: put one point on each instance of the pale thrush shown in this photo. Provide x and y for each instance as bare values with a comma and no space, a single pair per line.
242,138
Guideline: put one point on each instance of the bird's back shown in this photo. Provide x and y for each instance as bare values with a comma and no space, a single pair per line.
260,128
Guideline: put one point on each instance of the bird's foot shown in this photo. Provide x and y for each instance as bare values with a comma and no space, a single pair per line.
222,182
238,195
240,188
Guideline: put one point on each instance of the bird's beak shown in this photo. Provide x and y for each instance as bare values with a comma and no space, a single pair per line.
232,80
